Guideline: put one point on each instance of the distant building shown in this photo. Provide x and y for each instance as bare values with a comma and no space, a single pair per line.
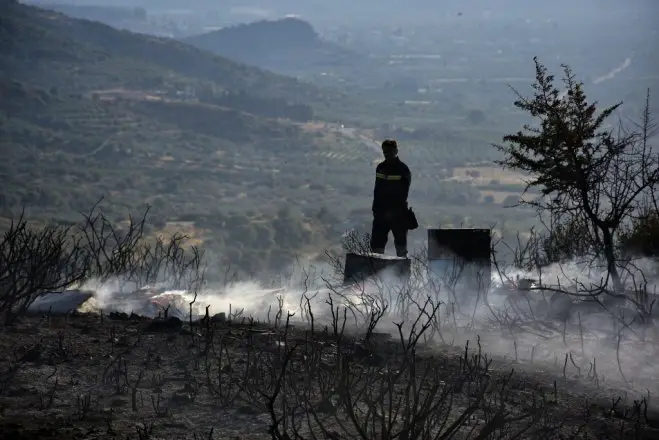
188,93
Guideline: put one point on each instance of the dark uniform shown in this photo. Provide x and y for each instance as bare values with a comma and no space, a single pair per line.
392,185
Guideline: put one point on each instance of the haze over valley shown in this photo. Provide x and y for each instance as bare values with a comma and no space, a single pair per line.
253,128
440,87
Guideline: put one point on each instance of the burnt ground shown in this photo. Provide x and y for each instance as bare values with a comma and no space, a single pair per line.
92,377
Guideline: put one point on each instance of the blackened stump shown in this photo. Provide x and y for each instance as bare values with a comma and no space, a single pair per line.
359,267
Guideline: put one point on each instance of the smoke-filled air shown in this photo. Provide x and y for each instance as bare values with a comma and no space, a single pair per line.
324,220
533,326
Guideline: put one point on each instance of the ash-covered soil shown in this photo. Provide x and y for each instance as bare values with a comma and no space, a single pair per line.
87,377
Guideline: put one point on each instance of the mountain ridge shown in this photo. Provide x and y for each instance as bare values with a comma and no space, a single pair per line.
282,45
86,109
93,46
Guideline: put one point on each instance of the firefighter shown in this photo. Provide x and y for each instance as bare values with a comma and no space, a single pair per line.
392,185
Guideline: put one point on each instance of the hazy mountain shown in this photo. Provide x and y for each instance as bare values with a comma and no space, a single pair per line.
284,45
82,55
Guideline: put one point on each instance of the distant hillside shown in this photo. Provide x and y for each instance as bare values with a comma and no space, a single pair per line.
285,45
109,14
49,49
191,161
87,110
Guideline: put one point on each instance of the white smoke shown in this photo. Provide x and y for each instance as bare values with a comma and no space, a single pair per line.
509,326
612,74
623,354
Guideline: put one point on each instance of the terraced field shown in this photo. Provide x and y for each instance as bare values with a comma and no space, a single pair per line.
186,157
144,136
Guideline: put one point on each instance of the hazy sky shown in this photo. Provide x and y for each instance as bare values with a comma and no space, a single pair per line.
427,8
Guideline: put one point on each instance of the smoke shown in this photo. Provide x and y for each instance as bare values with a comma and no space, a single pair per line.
304,288
510,325
605,347
612,74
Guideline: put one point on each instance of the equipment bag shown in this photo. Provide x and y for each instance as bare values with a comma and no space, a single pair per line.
412,223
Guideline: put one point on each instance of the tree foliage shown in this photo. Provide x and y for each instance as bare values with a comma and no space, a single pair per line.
588,172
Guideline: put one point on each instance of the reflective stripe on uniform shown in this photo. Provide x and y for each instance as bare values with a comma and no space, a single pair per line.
387,177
